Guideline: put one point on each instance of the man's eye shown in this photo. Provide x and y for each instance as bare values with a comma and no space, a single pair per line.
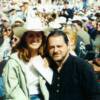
59,46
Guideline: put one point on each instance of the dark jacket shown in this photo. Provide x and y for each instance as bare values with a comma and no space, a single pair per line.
70,13
75,81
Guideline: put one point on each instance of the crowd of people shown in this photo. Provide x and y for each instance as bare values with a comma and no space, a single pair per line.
49,52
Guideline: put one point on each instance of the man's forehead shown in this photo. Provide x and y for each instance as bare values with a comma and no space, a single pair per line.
56,37
56,40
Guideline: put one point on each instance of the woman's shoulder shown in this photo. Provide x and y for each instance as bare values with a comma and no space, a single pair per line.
13,61
14,55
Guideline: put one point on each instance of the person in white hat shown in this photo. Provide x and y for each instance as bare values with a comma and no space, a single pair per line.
18,32
25,70
18,22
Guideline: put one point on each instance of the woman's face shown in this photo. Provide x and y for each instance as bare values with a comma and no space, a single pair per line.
34,40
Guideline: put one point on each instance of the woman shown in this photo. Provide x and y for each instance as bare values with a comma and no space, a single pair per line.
5,45
22,72
5,50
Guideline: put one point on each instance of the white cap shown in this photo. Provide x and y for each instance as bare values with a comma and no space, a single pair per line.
61,20
77,18
20,4
34,24
93,17
85,18
69,22
54,25
19,19
5,18
25,1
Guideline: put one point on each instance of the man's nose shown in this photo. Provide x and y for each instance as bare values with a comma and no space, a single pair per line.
55,49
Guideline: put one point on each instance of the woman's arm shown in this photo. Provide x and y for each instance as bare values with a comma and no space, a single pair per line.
11,81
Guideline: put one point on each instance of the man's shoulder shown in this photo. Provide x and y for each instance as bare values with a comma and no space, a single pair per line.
77,60
80,64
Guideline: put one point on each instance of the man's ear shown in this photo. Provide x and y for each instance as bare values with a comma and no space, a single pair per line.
68,46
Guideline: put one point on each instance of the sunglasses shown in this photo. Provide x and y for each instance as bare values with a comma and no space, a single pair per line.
6,30
3,20
15,39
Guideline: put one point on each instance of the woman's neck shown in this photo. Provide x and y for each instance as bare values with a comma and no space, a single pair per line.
34,53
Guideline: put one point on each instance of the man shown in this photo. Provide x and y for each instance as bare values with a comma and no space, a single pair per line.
73,78
84,44
66,11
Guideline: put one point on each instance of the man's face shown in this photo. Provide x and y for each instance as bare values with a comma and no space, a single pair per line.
57,48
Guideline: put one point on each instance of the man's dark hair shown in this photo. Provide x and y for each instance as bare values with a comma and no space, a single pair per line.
58,32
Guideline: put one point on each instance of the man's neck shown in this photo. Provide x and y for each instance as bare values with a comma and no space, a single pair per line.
60,64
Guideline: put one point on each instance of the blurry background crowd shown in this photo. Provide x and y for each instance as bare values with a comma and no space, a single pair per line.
79,19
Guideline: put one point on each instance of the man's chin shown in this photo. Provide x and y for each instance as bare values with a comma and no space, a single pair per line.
57,59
